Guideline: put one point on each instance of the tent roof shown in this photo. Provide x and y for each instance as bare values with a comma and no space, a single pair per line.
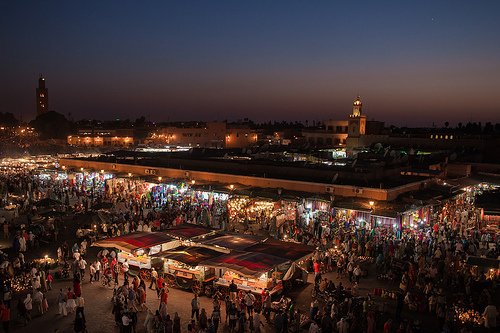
285,250
188,231
246,263
234,242
189,255
134,241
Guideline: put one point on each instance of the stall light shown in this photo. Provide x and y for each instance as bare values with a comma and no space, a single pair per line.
102,170
231,187
130,174
193,182
63,167
159,179
81,169
371,203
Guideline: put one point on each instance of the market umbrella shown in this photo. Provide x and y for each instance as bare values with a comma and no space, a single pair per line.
48,202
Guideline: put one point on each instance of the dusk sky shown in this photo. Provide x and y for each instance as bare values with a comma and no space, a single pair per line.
412,62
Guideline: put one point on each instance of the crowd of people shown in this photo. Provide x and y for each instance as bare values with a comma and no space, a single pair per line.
426,268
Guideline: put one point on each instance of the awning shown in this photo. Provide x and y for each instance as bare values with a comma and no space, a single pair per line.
189,255
285,250
234,242
188,231
248,264
134,241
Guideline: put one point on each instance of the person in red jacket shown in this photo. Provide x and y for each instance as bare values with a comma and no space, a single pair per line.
159,285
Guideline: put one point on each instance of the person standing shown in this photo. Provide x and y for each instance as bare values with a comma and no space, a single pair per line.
154,276
28,305
176,328
49,281
490,315
61,301
249,302
97,266
80,305
216,318
38,299
164,295
125,269
195,307
92,273
159,285
82,264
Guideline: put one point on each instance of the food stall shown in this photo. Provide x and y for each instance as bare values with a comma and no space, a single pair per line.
139,247
182,268
250,271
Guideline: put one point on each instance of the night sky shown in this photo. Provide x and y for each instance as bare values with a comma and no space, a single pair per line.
412,62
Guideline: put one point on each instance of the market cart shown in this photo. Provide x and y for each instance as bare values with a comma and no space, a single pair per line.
182,268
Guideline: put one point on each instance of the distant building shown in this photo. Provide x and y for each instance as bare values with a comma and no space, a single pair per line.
102,138
42,97
241,136
193,134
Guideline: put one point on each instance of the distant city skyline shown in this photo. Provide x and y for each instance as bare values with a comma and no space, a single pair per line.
412,63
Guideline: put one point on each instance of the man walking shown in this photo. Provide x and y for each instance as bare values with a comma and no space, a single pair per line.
82,264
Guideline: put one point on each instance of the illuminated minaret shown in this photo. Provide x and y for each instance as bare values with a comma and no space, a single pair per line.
357,121
42,97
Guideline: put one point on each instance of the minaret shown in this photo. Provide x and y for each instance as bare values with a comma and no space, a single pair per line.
357,121
42,97
356,107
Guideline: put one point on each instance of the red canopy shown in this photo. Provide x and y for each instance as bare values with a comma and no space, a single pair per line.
134,241
246,263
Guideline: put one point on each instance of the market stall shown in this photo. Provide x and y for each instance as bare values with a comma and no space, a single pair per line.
182,268
250,271
139,247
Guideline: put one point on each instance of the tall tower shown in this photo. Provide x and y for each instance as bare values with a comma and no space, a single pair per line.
357,121
42,97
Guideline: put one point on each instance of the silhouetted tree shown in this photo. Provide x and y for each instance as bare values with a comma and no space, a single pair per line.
51,125
8,119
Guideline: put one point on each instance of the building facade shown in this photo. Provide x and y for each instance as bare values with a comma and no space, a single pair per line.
203,135
102,138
